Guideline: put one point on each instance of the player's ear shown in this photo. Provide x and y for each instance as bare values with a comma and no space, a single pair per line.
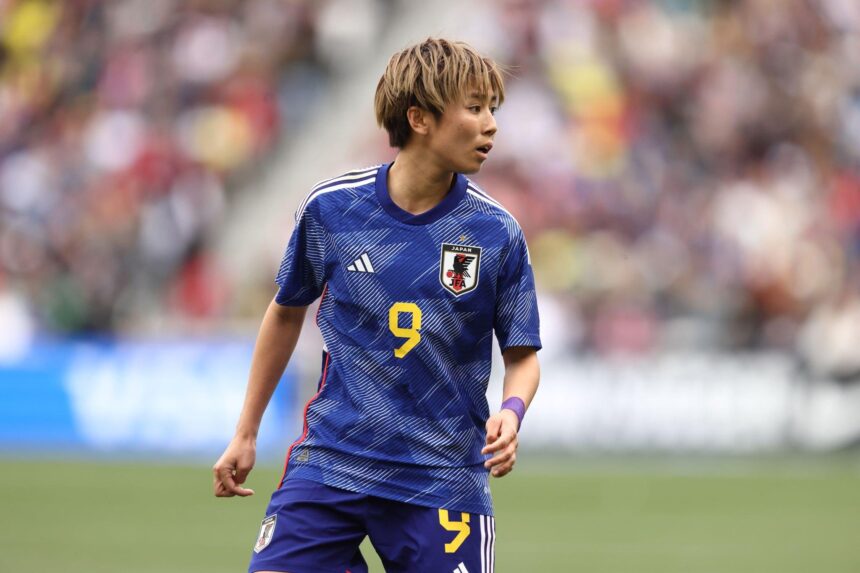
419,119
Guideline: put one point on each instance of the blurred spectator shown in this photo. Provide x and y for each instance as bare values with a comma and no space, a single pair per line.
828,341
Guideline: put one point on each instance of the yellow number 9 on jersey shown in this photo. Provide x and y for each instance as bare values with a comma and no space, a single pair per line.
412,336
461,527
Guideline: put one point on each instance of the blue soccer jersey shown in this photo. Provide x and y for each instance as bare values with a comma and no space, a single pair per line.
409,305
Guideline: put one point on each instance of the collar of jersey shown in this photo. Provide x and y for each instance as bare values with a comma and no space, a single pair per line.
445,206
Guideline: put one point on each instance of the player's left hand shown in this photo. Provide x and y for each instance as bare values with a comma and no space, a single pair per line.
501,443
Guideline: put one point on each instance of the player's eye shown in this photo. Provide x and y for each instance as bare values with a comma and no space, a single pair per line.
475,108
494,109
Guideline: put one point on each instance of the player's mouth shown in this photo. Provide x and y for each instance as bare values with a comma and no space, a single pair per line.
484,150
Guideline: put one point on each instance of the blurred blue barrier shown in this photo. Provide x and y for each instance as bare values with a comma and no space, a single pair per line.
165,396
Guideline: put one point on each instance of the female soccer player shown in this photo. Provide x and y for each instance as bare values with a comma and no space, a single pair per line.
416,267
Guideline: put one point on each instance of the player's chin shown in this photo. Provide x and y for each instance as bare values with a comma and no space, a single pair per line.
471,167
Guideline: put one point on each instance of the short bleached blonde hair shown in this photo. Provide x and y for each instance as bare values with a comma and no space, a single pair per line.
430,75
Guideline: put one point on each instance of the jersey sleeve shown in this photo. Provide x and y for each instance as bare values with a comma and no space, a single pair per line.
516,321
301,277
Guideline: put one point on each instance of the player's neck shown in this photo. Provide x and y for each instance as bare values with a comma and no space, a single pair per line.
416,185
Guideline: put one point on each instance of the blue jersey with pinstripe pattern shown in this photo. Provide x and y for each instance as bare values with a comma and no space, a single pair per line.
409,307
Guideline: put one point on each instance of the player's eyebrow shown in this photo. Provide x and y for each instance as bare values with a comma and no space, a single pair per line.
483,97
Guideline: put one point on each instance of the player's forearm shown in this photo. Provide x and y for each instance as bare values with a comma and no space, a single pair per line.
522,373
276,341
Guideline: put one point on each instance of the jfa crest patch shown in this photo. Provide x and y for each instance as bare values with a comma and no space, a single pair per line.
458,269
267,530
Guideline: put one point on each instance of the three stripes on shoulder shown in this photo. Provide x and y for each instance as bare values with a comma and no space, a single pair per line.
361,265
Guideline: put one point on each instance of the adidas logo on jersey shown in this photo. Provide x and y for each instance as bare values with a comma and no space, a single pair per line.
461,568
361,265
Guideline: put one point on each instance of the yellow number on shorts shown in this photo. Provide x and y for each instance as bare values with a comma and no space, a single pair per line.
412,336
461,527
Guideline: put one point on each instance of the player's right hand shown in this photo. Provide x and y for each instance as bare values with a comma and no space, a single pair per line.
232,468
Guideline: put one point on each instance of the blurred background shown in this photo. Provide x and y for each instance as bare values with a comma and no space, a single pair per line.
687,174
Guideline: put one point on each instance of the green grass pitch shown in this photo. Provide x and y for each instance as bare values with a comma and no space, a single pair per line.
686,516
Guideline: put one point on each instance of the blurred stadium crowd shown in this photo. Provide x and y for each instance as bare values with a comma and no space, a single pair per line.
687,172
123,127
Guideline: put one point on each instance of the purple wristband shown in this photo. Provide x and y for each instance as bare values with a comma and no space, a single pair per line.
517,406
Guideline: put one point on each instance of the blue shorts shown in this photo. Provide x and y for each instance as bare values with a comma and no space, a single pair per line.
313,528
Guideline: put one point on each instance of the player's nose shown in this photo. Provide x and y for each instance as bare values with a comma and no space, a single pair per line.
490,127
